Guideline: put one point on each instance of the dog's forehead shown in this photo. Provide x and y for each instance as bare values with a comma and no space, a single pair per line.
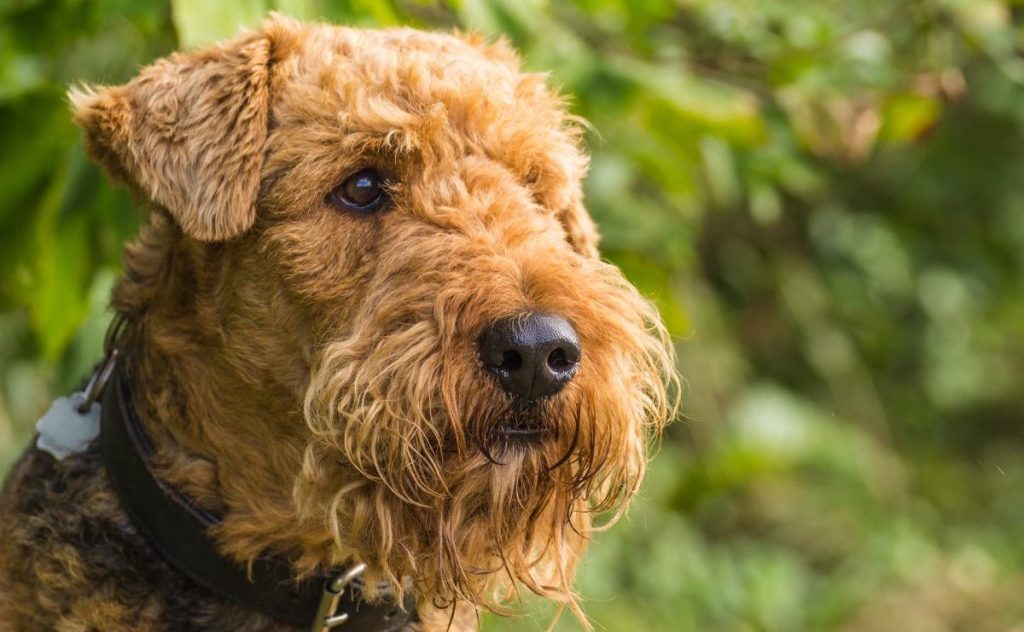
415,64
424,88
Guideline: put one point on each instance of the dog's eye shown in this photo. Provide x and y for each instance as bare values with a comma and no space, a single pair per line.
361,192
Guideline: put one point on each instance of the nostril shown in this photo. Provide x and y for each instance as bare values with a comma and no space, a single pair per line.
511,360
559,360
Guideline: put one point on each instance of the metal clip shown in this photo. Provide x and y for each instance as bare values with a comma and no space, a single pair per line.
327,615
96,383
99,379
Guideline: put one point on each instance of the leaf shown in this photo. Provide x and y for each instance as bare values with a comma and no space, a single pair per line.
198,22
728,111
299,9
55,291
907,117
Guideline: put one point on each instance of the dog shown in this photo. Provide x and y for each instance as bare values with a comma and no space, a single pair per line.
366,350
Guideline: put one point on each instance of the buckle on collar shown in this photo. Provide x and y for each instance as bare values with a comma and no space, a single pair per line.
327,615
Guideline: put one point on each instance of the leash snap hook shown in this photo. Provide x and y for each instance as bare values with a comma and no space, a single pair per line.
102,375
97,382
327,615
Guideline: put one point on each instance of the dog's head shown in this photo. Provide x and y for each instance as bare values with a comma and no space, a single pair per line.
397,222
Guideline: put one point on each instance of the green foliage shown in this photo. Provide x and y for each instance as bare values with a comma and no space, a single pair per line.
825,199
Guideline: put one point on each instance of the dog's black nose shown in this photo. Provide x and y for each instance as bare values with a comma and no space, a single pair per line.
532,355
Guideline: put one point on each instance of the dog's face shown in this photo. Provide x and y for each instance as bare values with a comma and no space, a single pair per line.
476,383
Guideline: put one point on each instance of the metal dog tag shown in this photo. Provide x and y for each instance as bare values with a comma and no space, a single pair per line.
63,430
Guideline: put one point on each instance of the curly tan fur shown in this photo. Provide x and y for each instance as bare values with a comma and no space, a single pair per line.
313,374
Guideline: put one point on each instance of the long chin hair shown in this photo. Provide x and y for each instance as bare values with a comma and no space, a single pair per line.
408,471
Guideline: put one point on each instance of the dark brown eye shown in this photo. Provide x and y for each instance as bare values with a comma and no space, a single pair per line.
361,192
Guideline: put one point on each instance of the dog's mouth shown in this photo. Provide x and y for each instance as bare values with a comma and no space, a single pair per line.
520,434
517,427
511,433
524,425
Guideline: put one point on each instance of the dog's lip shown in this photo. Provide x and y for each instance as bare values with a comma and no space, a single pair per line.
521,433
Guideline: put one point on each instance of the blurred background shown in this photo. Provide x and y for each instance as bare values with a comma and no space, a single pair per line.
826,200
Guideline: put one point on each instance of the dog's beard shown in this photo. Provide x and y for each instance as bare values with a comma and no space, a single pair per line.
409,466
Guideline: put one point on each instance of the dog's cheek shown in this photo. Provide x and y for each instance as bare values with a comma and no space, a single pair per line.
325,262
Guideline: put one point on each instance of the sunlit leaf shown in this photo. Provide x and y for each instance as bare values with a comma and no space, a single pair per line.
200,22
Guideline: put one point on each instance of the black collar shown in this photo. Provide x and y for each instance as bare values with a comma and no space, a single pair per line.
177,527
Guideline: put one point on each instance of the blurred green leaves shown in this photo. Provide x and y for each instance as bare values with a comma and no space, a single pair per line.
198,22
825,201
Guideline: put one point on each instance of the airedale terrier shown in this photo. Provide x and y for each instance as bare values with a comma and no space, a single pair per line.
369,371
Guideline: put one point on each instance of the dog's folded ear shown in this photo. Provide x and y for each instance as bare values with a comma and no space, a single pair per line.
188,132
580,229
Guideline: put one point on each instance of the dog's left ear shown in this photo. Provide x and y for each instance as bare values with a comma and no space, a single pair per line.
580,229
189,133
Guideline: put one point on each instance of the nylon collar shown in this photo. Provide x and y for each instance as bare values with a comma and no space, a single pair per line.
177,527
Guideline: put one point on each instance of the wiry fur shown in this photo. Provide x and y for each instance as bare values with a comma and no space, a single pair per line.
313,374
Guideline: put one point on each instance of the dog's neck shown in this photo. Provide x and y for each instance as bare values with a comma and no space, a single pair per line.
213,391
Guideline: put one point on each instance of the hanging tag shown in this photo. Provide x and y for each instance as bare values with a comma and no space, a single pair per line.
64,431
